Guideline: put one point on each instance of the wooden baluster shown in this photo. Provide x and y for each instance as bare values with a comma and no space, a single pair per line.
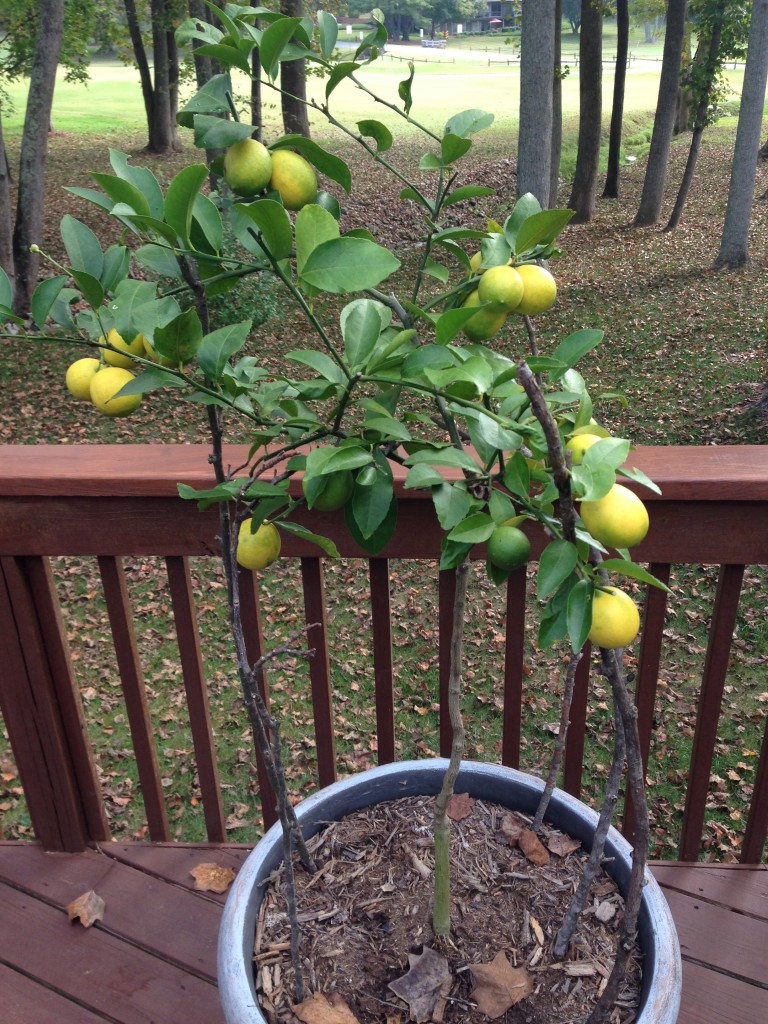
319,669
381,621
188,637
757,822
514,650
710,700
137,708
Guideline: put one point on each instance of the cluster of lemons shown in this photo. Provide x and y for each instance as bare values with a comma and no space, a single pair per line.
525,290
249,168
99,380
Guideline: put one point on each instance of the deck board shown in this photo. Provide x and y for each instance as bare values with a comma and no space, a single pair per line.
152,959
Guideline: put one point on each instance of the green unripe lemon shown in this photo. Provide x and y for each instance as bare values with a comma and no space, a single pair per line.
485,323
257,549
619,520
105,385
79,377
508,548
294,178
125,349
579,444
615,619
539,289
247,167
501,286
330,492
474,263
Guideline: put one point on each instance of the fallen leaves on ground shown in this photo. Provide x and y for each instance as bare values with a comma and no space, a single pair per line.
320,1009
533,848
460,806
87,908
561,845
426,986
212,877
499,985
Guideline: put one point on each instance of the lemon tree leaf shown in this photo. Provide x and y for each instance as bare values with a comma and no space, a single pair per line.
328,31
468,122
452,553
554,618
379,538
180,338
541,228
82,245
122,191
90,287
625,567
216,348
324,543
117,262
273,223
464,192
314,225
348,264
331,166
452,503
43,298
525,207
453,147
142,178
631,473
475,529
150,379
211,98
180,198
557,562
339,73
404,90
362,321
579,613
227,55
377,131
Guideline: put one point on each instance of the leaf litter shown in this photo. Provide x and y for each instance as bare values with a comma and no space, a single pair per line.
367,940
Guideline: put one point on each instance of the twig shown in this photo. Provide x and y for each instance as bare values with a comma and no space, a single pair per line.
557,754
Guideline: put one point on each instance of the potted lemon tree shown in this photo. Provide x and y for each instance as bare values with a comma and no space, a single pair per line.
408,366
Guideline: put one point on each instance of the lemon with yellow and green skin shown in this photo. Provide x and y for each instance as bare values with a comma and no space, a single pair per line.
247,167
256,549
539,289
121,353
151,353
502,286
79,377
485,323
293,178
618,520
105,384
329,492
579,445
615,619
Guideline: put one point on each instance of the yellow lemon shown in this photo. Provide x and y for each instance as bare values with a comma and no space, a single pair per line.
474,263
106,384
150,353
508,548
485,323
615,619
539,289
79,377
125,349
294,178
257,549
247,167
501,286
619,520
579,444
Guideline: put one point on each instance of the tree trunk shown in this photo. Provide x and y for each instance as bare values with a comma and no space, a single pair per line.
734,244
557,110
140,55
293,79
684,93
611,189
537,61
205,67
34,151
6,211
162,131
590,112
649,210
699,123
256,93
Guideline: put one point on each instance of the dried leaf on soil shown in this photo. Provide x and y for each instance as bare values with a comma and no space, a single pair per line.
561,845
533,848
499,985
460,806
319,1009
426,985
510,830
212,877
87,908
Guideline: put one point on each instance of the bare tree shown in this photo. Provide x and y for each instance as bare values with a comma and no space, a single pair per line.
537,50
590,112
611,188
293,81
161,93
557,108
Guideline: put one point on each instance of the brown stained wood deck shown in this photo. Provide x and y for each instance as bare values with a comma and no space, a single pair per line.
153,958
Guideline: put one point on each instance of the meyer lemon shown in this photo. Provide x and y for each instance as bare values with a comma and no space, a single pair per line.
508,548
579,444
485,323
294,178
329,492
105,385
125,349
247,167
256,549
618,520
615,619
539,289
79,377
502,286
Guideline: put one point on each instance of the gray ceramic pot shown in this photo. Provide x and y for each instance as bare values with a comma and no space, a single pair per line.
662,976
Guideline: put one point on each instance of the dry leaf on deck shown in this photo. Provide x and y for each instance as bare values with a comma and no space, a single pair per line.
426,985
87,908
533,849
460,806
318,1009
562,845
499,985
212,877
510,829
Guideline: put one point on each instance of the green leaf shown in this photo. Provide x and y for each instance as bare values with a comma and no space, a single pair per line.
273,223
592,482
377,131
129,296
374,39
6,290
372,498
460,195
444,456
379,539
557,562
525,207
91,288
227,55
339,73
475,529
362,321
91,195
452,553
430,162
158,259
180,198
142,178
328,368
450,323
179,340
217,347
324,543
468,122
347,264
151,379
121,191
225,491
219,133
490,433
210,99
273,41
331,166
625,567
82,245
328,31
576,345
422,476
517,475
579,614
639,477
436,270
609,451
151,226
452,503
452,148
404,90
117,264
554,617
541,228
44,297
61,309
314,225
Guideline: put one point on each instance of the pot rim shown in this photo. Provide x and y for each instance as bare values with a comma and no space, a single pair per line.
662,970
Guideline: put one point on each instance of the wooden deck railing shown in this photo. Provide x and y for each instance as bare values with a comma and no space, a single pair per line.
110,502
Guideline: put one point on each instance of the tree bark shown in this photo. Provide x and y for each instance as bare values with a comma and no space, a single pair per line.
293,79
649,210
611,188
34,151
734,244
537,51
256,93
557,109
6,211
161,95
590,112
